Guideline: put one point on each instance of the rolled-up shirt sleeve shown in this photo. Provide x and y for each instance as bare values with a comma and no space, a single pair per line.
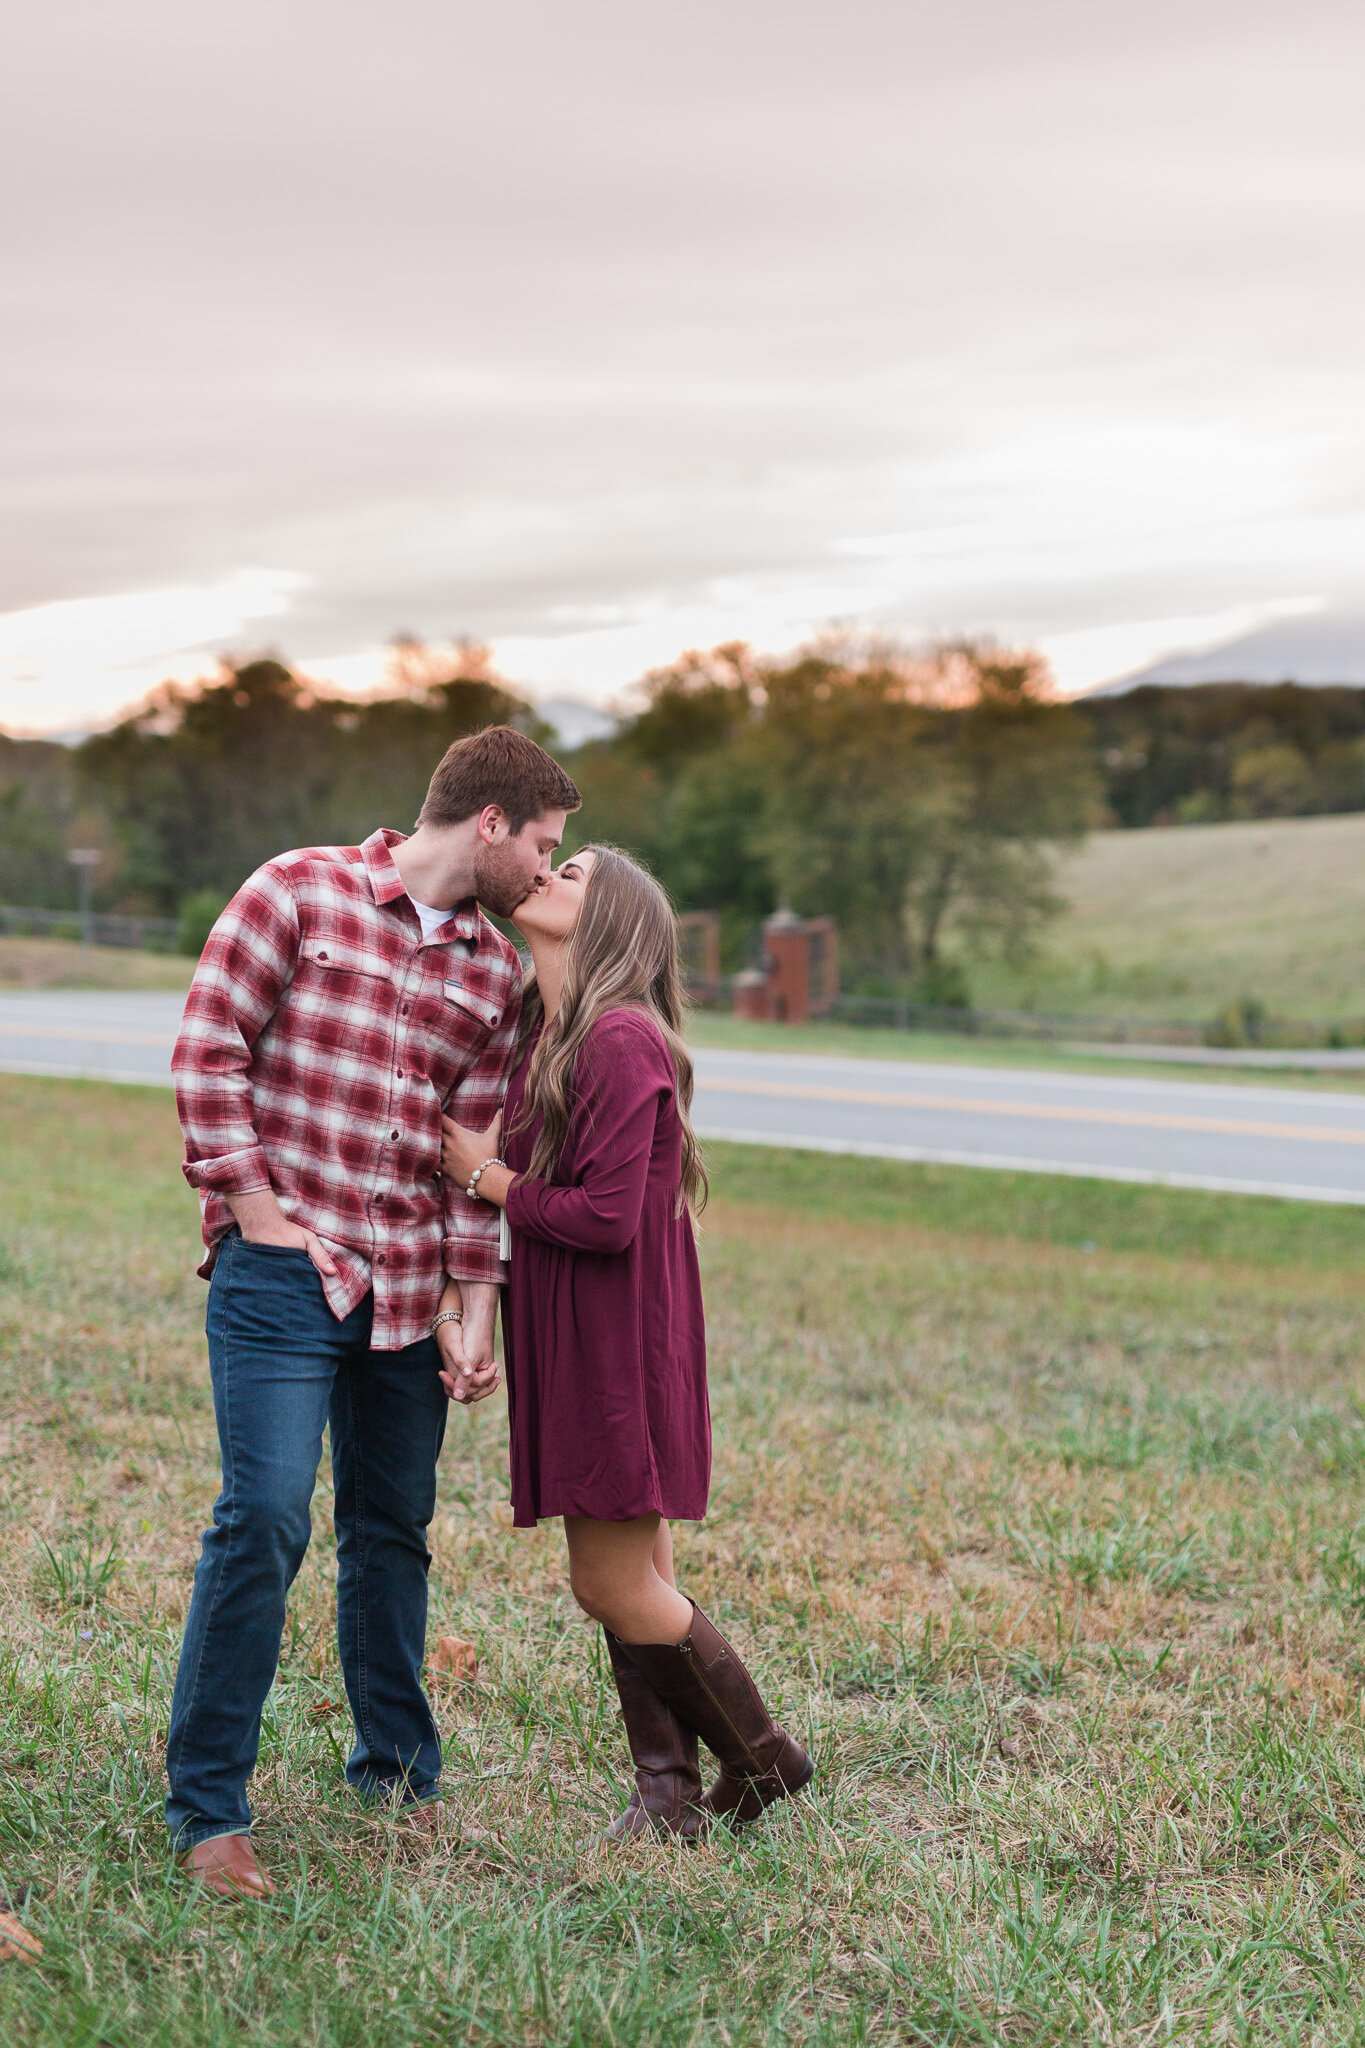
472,1226
243,971
625,1077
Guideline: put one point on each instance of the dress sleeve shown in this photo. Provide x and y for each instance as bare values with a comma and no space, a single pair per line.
625,1079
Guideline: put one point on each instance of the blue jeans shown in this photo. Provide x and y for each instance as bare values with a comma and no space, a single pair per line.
282,1366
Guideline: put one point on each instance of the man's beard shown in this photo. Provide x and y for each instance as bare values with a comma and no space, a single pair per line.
500,880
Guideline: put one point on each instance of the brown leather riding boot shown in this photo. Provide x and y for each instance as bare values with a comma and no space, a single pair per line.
226,1864
667,1795
707,1686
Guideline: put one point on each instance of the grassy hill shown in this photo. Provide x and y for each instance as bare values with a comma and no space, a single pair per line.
1178,921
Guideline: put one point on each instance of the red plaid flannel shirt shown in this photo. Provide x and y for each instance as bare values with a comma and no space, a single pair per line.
321,1041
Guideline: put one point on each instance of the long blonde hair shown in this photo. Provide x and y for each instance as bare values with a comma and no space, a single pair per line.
622,955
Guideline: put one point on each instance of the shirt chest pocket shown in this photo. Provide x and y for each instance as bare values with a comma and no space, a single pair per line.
338,959
464,1002
457,1026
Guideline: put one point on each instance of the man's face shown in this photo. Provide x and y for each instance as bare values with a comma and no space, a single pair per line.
511,865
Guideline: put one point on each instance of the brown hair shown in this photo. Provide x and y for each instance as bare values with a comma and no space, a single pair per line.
622,955
497,766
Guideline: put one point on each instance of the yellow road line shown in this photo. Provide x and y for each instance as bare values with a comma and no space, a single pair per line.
985,1105
84,1034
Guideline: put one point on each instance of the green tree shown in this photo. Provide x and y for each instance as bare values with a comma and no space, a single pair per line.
203,785
914,799
37,822
1015,779
682,786
852,800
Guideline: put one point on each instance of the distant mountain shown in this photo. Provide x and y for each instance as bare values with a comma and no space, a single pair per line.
576,721
1313,651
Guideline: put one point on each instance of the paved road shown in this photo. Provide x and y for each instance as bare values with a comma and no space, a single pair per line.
1248,1140
87,1035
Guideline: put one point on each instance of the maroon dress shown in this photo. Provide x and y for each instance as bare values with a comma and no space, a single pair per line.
602,1324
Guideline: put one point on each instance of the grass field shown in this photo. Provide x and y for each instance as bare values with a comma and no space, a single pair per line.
1040,1506
1180,921
64,963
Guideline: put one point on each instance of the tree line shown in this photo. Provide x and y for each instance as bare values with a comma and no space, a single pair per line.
918,800
1214,751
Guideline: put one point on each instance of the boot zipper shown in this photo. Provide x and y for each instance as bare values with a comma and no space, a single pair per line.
686,1647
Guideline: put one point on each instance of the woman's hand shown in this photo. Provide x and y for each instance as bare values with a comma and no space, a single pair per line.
463,1152
465,1380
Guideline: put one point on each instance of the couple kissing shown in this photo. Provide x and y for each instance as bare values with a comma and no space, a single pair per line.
390,1136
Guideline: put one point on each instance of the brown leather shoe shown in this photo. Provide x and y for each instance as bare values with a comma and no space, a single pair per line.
667,1795
706,1684
227,1866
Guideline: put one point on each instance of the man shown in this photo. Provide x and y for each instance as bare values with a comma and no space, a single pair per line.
346,997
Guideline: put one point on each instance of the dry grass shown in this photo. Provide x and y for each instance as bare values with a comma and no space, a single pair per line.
64,963
1178,921
1057,1557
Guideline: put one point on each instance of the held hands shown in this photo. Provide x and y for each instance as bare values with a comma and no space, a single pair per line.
468,1369
463,1152
463,1381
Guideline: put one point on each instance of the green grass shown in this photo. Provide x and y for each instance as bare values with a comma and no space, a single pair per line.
1097,1216
1057,1557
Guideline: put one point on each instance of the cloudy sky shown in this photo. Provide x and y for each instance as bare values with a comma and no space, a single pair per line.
600,330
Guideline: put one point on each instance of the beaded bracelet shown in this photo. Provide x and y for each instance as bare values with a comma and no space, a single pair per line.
473,1189
447,1315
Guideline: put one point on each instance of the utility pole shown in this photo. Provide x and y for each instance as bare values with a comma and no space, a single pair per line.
85,859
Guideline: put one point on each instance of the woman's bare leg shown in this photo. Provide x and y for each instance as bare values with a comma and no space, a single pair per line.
614,1573
663,1554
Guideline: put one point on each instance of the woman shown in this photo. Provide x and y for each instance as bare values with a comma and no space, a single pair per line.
603,1330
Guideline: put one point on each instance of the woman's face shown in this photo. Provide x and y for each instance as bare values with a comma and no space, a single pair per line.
551,911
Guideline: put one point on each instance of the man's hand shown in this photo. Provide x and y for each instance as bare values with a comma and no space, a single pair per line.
467,1373
462,1382
480,1318
261,1220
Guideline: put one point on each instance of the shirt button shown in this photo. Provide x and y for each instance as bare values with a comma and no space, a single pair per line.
400,1073
379,1258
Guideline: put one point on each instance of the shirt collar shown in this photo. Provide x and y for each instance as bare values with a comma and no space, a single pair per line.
388,885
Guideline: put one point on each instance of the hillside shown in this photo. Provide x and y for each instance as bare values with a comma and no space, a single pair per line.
1177,921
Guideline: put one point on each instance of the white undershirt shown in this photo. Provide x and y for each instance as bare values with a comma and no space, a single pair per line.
432,920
